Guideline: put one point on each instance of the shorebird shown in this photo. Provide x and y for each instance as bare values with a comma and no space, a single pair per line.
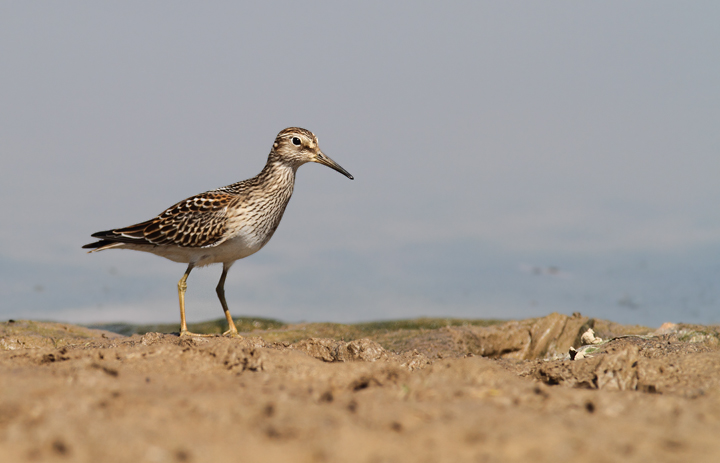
223,225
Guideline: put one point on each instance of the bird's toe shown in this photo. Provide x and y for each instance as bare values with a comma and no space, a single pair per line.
187,334
232,334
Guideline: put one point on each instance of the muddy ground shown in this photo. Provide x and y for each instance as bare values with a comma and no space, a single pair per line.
427,391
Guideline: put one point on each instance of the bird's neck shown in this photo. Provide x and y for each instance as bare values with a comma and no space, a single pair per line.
278,174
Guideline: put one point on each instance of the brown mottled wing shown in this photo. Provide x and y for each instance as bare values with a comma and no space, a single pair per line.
199,221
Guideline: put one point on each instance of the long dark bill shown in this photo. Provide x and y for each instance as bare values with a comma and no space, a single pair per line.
323,159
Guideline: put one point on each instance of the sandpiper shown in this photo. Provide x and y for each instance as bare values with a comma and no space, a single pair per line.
226,224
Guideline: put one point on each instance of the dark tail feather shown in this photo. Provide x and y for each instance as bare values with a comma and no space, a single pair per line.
113,238
97,244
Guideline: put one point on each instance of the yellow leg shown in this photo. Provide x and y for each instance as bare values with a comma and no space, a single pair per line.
182,286
220,290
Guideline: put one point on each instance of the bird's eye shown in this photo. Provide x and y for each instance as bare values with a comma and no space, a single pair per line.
296,141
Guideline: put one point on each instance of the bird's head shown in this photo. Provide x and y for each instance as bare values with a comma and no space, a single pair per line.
296,146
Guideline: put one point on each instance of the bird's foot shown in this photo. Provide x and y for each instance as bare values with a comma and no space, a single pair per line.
186,334
232,333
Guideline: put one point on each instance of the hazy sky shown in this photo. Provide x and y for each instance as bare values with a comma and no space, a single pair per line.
510,158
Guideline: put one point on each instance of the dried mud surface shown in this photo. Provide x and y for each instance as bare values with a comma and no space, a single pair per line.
495,393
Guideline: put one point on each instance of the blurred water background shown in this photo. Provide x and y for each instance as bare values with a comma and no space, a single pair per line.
511,159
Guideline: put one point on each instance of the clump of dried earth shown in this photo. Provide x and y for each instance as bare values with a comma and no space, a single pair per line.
415,391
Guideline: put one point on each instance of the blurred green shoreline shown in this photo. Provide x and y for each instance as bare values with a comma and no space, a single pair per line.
336,330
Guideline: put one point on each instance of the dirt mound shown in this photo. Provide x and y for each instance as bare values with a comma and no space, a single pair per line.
402,395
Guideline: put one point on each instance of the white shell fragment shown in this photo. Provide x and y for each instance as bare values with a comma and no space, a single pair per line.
575,355
589,337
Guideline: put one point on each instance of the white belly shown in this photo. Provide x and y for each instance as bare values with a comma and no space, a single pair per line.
243,244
